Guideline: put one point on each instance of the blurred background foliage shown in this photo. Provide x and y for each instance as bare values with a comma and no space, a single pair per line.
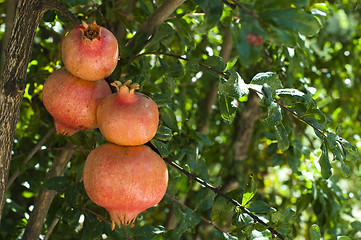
259,98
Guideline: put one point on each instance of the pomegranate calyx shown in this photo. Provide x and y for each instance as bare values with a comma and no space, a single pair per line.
120,219
127,86
91,31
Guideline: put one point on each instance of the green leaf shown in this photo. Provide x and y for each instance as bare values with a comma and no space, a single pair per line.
270,78
282,137
164,133
204,199
295,19
315,232
169,118
228,107
161,147
350,150
146,232
186,219
176,70
268,95
92,229
356,225
71,195
164,35
274,116
215,62
343,238
260,207
269,4
162,99
250,191
223,209
324,161
281,37
243,220
71,216
233,87
57,183
213,11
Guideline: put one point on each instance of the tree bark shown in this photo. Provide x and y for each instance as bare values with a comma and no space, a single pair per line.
13,76
45,197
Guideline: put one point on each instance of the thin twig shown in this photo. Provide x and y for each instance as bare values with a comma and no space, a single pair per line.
101,14
51,228
129,17
220,193
293,113
29,156
99,217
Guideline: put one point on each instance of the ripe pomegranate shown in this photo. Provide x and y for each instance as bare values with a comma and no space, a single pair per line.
90,52
127,118
73,101
254,39
125,180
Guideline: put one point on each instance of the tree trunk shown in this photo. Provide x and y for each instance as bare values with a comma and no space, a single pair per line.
13,76
12,85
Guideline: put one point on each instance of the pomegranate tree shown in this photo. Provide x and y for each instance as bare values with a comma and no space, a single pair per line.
73,101
90,52
125,180
127,117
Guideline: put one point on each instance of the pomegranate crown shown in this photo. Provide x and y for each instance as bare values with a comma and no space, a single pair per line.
126,86
91,31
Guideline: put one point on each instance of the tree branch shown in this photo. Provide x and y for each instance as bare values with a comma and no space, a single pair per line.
45,197
151,25
220,193
30,155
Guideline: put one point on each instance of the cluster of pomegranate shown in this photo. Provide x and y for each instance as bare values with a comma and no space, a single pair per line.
124,176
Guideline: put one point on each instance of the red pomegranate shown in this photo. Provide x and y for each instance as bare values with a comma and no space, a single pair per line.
90,52
128,118
254,39
125,180
73,101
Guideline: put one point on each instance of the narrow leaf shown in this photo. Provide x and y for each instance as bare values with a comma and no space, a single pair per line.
325,162
282,137
228,107
315,232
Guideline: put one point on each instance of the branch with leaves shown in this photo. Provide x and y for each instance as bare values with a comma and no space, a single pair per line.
220,193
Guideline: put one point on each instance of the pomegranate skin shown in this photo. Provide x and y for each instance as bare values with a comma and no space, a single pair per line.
125,180
73,101
90,58
128,118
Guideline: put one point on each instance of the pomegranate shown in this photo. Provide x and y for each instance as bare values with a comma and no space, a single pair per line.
90,52
73,101
127,118
254,39
125,180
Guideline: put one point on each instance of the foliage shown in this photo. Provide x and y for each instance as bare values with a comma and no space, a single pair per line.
300,176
